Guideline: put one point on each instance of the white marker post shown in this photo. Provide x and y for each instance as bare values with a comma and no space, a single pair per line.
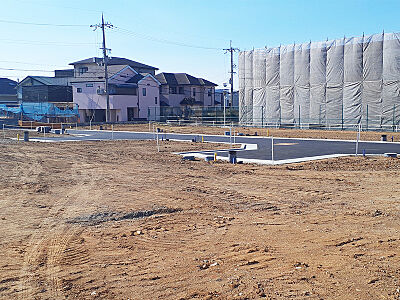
272,149
230,134
358,138
158,145
224,112
4,133
112,131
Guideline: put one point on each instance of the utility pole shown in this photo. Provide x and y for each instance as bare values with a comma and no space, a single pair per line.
105,60
231,50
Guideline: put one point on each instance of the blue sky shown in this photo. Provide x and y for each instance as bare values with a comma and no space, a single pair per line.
148,30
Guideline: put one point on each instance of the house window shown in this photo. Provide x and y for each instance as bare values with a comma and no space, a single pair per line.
209,92
83,70
79,90
155,100
181,90
144,91
194,92
172,90
89,85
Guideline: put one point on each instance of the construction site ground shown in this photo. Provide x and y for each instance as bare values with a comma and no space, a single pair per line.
119,220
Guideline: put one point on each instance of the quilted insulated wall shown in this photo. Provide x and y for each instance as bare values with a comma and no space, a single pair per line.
344,81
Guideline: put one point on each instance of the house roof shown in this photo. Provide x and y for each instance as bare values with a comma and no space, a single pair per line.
98,74
114,61
7,86
49,80
174,79
136,78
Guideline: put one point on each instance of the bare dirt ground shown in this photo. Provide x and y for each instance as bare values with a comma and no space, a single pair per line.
291,133
117,220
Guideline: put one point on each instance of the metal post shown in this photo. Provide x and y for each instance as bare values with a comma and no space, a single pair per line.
112,131
299,118
394,116
358,138
262,116
367,118
342,115
90,124
272,149
224,109
158,145
4,133
280,117
319,115
230,135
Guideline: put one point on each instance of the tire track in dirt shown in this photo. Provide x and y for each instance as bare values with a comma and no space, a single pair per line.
50,247
42,265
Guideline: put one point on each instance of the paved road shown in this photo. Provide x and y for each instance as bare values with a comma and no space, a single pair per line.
284,148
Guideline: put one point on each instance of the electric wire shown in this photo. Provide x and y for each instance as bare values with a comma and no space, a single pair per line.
43,24
160,40
42,43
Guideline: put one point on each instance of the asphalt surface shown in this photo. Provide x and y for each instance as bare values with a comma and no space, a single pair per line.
284,148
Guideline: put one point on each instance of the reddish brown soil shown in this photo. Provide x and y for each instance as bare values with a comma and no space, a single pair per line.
317,230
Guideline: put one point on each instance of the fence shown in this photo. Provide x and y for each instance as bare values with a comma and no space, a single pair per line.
215,115
41,112
258,116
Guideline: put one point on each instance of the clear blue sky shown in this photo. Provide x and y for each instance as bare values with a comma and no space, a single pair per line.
153,24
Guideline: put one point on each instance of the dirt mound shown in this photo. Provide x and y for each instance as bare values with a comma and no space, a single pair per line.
101,217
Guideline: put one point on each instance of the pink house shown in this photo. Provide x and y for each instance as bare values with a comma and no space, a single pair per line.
133,88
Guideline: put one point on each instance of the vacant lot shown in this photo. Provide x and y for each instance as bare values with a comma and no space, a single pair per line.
117,220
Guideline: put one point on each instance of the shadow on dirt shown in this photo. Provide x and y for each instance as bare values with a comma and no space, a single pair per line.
101,217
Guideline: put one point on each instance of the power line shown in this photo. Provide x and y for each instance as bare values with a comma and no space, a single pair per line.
160,40
26,63
12,69
43,24
40,43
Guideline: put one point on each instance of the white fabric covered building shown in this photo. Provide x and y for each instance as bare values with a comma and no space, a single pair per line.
344,81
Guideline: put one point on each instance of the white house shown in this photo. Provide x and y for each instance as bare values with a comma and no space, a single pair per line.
131,92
